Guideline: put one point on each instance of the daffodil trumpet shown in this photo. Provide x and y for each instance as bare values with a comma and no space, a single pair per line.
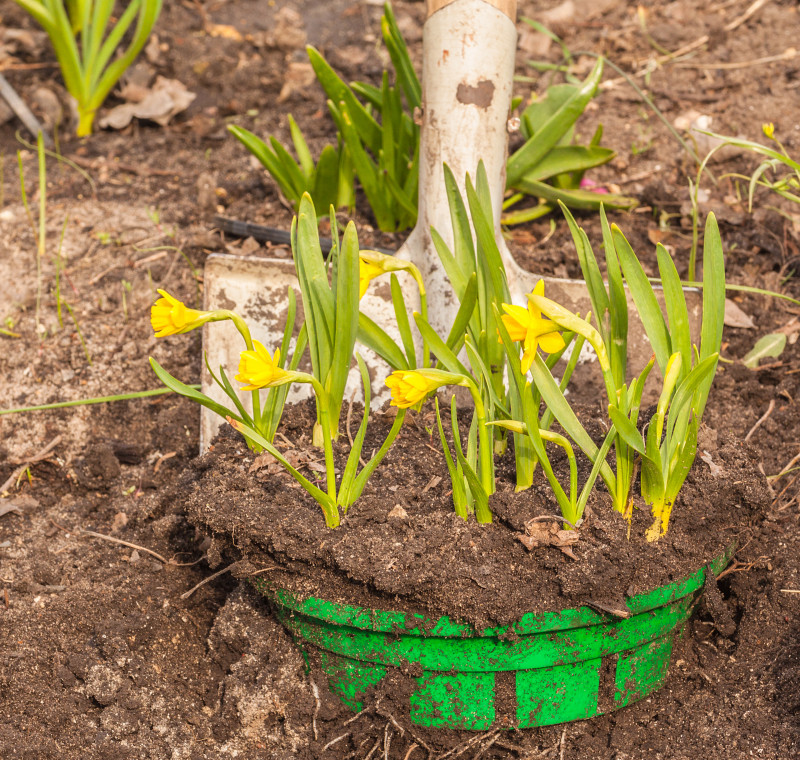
526,326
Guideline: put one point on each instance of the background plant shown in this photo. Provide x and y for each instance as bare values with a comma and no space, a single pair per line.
85,42
330,181
378,140
384,150
778,162
549,166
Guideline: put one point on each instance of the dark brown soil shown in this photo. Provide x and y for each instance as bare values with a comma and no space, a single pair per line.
430,561
100,655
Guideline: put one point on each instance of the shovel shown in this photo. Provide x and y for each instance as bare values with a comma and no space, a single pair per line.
469,51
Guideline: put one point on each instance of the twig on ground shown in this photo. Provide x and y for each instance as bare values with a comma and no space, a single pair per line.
563,744
124,543
387,740
38,457
356,716
410,749
790,590
738,567
761,420
460,749
786,55
188,593
22,112
315,692
482,751
387,714
786,469
373,750
650,65
335,741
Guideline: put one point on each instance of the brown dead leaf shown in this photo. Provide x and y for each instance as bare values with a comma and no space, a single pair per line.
167,98
299,77
716,470
735,317
656,235
224,31
547,533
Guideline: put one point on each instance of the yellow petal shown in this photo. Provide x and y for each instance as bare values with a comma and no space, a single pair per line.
551,342
527,359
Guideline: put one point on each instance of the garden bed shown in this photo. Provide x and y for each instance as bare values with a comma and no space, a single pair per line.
101,655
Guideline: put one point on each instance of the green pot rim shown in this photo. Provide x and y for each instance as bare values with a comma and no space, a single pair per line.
386,621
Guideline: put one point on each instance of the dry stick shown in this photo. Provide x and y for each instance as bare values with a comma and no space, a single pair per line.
563,744
22,112
334,741
387,740
783,472
790,590
124,543
29,461
410,749
374,748
315,691
691,46
188,593
462,748
761,420
483,750
786,55
355,717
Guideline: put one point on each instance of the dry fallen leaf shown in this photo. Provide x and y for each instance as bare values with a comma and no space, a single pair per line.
549,533
716,470
735,317
166,98
299,77
225,31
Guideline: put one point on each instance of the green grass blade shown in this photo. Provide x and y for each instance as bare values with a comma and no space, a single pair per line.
301,148
456,476
645,299
677,313
455,339
439,347
348,476
402,321
618,305
591,274
713,303
375,338
562,411
189,392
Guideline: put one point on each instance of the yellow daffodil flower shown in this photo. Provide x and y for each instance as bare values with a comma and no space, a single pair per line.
260,370
768,130
373,264
367,272
169,316
409,387
528,325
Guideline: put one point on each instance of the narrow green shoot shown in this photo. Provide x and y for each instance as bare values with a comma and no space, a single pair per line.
86,37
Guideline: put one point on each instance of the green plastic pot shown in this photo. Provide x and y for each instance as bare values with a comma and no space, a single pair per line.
556,667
